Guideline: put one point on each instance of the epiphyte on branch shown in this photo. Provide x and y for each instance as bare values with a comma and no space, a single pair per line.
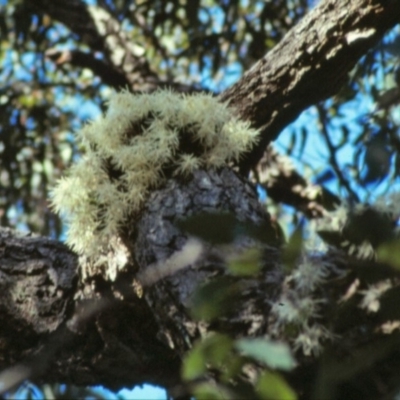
133,149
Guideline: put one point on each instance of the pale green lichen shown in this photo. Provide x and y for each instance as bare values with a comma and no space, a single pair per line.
295,315
131,150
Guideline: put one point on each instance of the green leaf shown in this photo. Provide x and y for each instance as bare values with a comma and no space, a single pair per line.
214,351
214,299
271,386
232,368
274,355
293,249
377,159
223,228
389,252
217,349
194,364
212,391
247,263
216,228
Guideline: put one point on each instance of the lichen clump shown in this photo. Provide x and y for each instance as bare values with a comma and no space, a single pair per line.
140,142
296,315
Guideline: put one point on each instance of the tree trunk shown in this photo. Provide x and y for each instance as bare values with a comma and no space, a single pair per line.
104,332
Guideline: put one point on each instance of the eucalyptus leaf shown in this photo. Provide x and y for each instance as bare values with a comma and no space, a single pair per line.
272,386
272,354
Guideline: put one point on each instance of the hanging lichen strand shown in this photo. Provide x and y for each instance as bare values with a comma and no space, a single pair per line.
140,142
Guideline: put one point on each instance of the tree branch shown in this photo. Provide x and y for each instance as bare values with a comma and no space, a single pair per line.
310,64
83,336
284,185
76,58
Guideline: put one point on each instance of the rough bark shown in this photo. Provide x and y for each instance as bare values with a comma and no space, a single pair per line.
52,331
104,333
158,238
310,64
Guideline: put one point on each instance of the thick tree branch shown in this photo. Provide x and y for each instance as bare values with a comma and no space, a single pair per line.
49,327
310,64
76,58
102,332
284,185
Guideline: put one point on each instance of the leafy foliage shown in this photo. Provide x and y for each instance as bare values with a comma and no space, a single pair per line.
223,358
